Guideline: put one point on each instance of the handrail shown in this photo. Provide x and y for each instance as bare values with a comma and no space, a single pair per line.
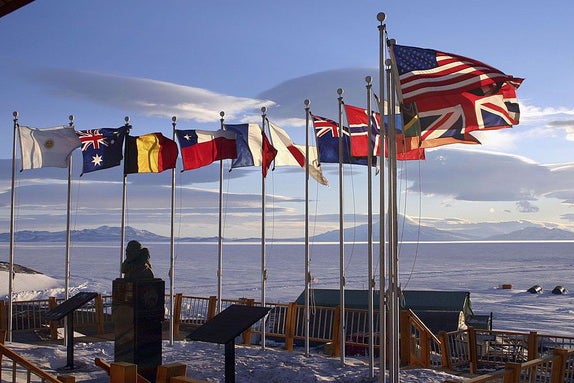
27,365
107,369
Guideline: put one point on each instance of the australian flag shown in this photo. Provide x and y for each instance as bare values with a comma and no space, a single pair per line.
102,148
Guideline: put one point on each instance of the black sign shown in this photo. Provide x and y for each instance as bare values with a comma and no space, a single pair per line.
70,305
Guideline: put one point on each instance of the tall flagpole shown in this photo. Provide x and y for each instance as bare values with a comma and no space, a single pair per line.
68,337
12,202
307,255
124,199
68,212
393,237
220,231
382,300
263,255
342,319
370,281
172,247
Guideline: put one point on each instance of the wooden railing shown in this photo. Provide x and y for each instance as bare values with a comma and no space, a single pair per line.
419,346
466,350
555,368
20,369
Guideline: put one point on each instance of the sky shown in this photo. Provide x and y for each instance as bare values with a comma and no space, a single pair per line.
102,61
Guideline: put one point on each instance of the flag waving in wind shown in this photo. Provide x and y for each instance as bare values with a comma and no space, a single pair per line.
359,121
253,147
289,154
327,133
150,153
51,147
450,96
202,147
427,73
102,148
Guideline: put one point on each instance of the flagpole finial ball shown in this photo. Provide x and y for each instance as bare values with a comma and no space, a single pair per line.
71,117
126,119
15,114
388,62
381,16
340,91
174,119
369,79
263,109
307,102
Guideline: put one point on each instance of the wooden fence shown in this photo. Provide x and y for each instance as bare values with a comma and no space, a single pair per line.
470,350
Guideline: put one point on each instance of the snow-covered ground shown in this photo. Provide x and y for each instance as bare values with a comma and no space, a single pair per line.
479,269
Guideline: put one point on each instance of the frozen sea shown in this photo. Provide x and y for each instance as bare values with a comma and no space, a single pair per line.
478,267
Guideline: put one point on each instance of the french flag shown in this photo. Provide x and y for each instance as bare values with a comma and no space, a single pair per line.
202,147
253,147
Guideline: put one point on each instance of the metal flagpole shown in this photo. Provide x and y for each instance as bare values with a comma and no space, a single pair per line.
220,231
172,247
12,201
342,321
67,336
370,281
307,254
124,198
382,295
263,260
393,237
68,208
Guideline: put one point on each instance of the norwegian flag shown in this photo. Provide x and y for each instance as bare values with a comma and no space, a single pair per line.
101,148
406,147
358,120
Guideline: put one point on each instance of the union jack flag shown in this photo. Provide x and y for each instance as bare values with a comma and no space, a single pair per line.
101,148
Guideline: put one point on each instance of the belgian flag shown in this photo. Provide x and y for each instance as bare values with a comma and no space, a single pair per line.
150,153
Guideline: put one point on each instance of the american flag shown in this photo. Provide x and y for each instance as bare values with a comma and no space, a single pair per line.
427,73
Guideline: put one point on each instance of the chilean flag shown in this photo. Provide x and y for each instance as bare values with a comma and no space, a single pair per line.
202,147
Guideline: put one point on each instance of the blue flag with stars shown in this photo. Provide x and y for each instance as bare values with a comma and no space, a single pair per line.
102,148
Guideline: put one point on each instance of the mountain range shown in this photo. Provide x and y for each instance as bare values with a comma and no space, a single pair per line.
409,231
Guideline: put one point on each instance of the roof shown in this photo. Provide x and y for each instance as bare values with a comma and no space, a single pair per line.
354,299
8,6
438,321
419,300
416,300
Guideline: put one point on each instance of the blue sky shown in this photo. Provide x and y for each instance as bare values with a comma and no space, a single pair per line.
101,61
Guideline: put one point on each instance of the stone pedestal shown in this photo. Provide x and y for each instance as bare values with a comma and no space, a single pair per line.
138,312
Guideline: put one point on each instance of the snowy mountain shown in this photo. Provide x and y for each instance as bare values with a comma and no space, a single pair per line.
409,230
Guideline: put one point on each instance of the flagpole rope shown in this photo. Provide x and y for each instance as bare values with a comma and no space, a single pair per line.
420,192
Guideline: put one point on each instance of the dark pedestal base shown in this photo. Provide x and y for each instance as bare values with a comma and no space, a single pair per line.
138,312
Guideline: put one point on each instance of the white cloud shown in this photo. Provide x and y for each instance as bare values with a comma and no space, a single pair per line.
149,97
